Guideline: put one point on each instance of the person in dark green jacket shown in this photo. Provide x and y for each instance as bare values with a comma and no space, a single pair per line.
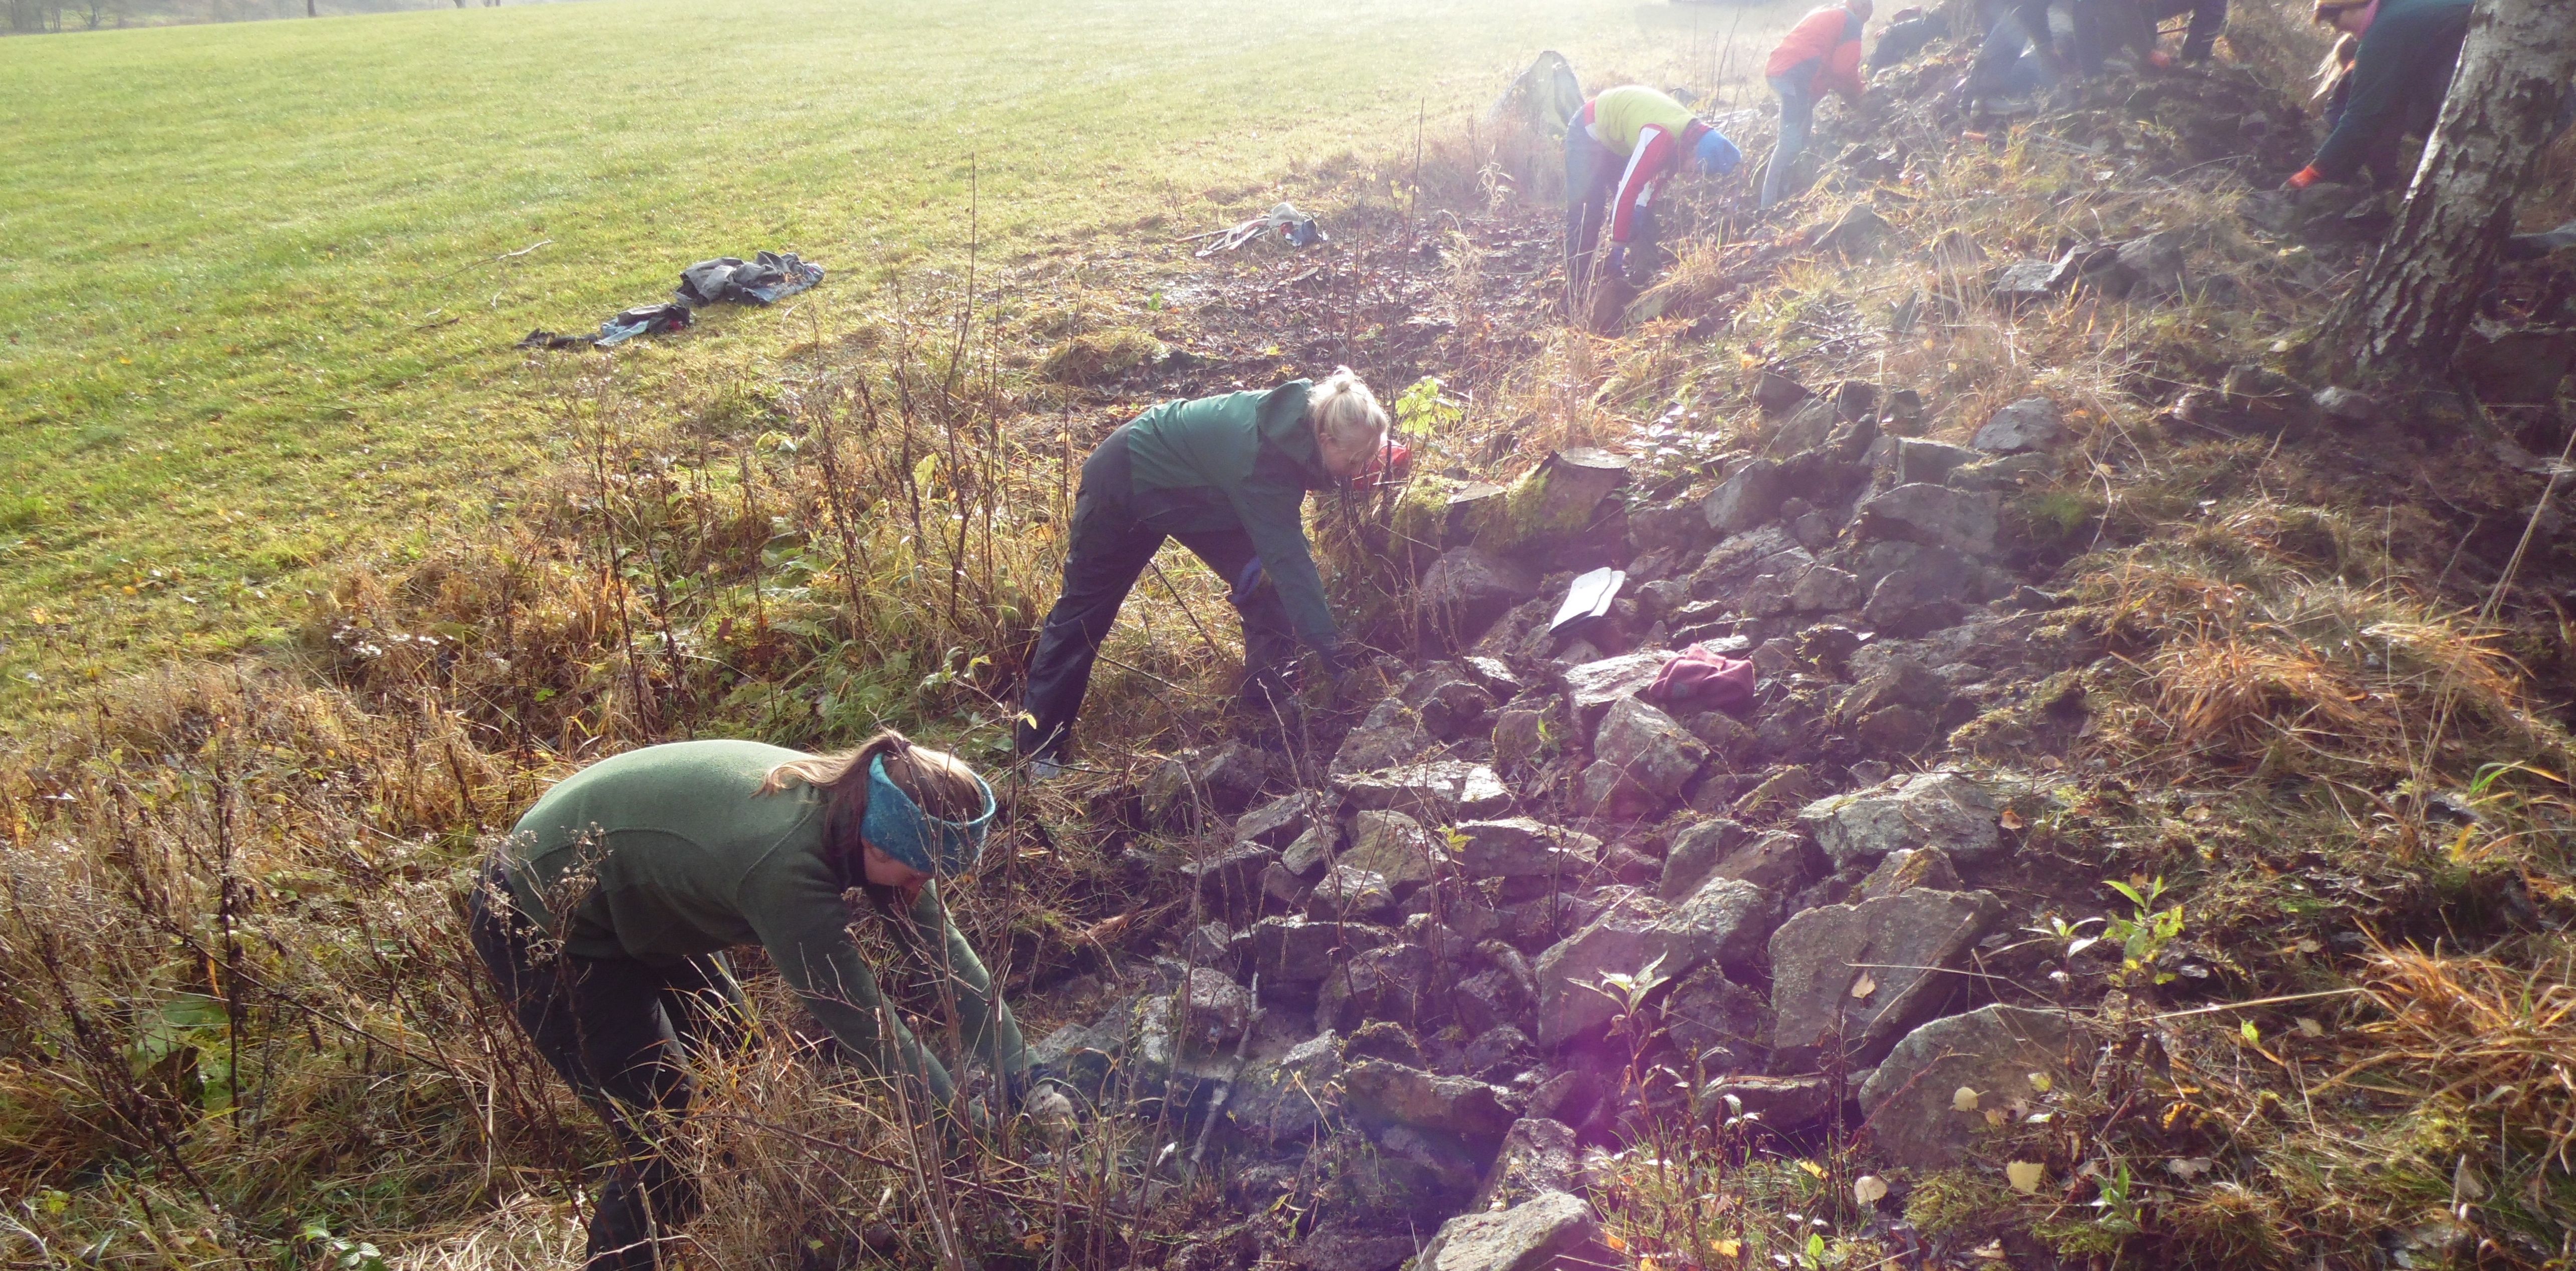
1228,476
604,916
2400,74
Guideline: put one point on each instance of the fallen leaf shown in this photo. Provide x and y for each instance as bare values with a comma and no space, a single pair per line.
1727,1248
2310,1028
2040,1082
2308,946
1964,1099
2025,1176
1864,986
1812,1168
1869,1189
2010,820
1995,1116
1990,1251
2186,1167
1617,1242
2249,1032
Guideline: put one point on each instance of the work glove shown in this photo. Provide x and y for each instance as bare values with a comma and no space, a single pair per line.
2303,178
1042,1093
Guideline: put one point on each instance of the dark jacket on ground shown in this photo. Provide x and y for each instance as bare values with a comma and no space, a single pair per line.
2403,66
1240,460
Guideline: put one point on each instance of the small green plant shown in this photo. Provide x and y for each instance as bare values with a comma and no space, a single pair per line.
2147,930
339,1253
1424,408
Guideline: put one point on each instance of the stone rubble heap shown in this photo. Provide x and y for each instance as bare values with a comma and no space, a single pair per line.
1439,937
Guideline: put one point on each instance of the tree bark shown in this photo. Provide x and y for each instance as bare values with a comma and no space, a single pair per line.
2415,301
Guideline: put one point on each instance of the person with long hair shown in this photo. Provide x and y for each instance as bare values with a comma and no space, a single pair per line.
603,918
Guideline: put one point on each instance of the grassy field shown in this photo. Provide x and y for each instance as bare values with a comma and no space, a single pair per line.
253,320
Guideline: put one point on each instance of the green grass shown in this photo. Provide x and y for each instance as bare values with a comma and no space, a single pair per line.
250,327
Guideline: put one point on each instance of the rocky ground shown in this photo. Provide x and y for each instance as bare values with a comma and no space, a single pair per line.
1448,976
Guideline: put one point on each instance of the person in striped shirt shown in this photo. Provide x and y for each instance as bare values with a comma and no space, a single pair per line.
1618,150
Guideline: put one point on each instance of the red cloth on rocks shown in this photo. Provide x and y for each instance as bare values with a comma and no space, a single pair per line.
1704,676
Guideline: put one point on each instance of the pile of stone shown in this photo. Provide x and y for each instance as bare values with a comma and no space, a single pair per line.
1520,876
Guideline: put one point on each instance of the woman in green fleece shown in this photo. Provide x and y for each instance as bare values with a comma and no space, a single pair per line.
603,916
1228,476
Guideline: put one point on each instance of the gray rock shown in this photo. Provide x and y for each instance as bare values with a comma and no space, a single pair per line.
1394,847
1197,783
1906,869
1642,752
1779,862
1349,1249
1918,460
1518,847
1719,1026
2148,267
1896,681
1208,944
2025,282
1208,1011
1784,1104
1277,823
1993,1051
1468,588
1539,1155
1824,589
2347,406
1293,952
1442,791
2029,424
1230,880
1348,891
1391,734
1920,589
1452,704
1287,1100
1725,921
1934,515
1927,809
1397,1094
1388,983
1748,497
1774,392
1526,1237
1491,999
1311,850
1695,852
1591,687
1905,945
1805,429
1519,738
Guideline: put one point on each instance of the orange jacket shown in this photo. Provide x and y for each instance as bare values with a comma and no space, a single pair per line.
1823,51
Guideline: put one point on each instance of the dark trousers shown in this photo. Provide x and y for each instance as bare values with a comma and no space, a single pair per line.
1112,543
615,1030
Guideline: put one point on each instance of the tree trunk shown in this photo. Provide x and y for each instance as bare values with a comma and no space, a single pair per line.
2415,301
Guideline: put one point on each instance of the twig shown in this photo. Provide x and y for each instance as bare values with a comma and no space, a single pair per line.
494,260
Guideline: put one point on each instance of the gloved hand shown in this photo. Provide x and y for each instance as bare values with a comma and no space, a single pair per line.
2303,178
1618,260
1041,1092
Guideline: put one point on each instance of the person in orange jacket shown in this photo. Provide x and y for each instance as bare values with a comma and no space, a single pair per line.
1618,150
1821,55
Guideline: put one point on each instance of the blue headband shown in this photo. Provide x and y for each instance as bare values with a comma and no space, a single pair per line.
896,826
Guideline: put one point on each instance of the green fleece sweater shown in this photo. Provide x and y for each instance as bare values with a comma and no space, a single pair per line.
666,852
1240,460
